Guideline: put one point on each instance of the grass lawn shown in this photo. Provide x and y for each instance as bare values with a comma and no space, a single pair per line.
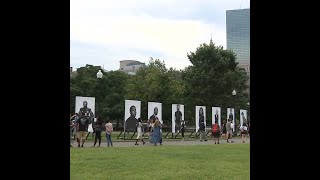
224,161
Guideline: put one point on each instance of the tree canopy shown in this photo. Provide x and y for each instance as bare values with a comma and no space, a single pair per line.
209,81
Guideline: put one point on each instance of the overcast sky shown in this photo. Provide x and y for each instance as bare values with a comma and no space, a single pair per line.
103,32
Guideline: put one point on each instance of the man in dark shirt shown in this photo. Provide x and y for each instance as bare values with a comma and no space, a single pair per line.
87,111
82,128
230,115
130,124
244,120
154,116
216,117
178,116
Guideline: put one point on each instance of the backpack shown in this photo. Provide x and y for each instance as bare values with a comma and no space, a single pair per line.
215,128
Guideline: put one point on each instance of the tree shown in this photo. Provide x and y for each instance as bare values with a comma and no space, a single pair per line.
212,77
154,83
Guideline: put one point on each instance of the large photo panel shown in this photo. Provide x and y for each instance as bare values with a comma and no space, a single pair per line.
86,105
177,116
200,115
155,110
131,115
243,117
216,115
85,101
231,116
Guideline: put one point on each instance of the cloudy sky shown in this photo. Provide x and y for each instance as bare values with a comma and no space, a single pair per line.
103,32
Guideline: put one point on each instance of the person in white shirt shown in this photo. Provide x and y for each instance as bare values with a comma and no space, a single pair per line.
139,130
244,130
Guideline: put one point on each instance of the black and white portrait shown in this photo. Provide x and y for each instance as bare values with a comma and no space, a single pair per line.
216,115
131,115
231,116
177,116
200,116
243,117
155,111
86,106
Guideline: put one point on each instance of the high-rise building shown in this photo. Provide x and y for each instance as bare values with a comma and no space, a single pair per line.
238,36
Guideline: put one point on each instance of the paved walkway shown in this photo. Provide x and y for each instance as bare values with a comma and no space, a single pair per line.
131,143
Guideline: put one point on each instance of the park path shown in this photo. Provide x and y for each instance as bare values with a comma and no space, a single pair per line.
131,143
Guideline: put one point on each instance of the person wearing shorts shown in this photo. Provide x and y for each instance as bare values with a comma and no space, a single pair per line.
82,129
139,130
244,132
216,132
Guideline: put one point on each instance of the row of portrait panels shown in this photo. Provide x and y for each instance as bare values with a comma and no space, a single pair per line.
133,113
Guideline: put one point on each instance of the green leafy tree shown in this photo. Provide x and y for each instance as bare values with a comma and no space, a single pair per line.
211,78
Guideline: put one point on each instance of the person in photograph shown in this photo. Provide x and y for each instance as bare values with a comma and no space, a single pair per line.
87,111
130,124
139,130
82,129
156,134
244,119
109,130
201,115
97,130
230,115
216,116
178,116
216,132
244,131
154,115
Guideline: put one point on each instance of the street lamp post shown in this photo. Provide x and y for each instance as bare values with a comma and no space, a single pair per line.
99,77
234,93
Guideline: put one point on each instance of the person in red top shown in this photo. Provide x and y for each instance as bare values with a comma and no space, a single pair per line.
216,132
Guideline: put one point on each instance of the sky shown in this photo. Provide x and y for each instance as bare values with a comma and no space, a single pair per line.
104,32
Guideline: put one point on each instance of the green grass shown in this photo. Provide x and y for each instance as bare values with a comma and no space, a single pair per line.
224,161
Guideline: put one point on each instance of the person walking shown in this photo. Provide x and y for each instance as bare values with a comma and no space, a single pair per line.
97,130
244,131
156,132
139,130
229,130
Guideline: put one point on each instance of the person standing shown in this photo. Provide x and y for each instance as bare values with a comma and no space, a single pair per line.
156,132
202,129
244,130
182,129
139,130
130,124
71,131
82,129
229,130
98,130
224,130
216,132
109,130
178,116
216,116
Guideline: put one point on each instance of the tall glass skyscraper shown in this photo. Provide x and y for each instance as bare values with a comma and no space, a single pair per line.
238,34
